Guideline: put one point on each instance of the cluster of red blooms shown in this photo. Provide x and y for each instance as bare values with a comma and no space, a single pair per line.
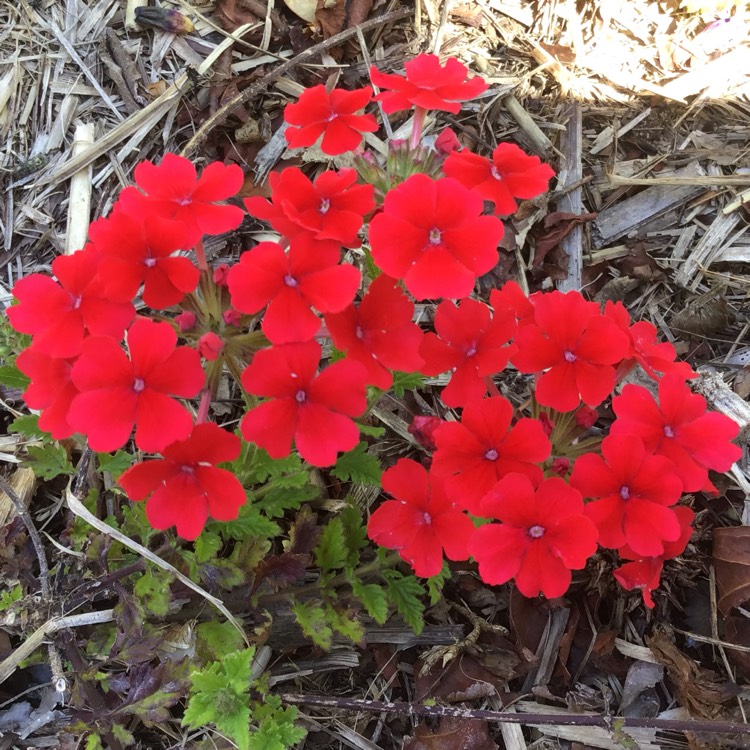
546,507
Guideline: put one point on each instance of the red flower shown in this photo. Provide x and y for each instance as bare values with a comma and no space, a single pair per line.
379,333
313,410
470,344
482,448
543,536
117,392
510,297
422,428
60,315
575,346
331,115
309,275
185,487
679,428
510,174
331,208
50,390
645,573
635,489
431,233
427,85
137,249
421,522
652,355
447,142
174,190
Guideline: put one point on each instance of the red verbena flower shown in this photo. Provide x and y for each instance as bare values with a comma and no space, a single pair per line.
118,392
313,410
174,190
476,452
331,208
333,116
644,573
543,536
635,489
137,250
185,486
291,284
574,346
431,233
655,357
510,298
427,85
50,390
680,428
421,521
59,314
471,344
379,332
509,175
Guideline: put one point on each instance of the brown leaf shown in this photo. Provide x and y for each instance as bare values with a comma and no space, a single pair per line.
732,565
697,688
452,733
462,680
232,14
558,226
737,630
281,570
303,535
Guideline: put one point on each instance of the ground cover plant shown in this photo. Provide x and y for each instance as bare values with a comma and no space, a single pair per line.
132,344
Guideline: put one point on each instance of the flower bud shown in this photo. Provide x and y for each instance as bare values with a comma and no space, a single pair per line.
447,142
232,317
220,274
210,345
547,424
560,466
186,320
586,417
422,428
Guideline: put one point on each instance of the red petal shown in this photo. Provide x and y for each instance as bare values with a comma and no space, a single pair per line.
271,425
159,421
143,478
321,434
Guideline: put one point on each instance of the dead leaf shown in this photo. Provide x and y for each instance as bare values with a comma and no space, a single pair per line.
557,225
452,733
232,14
706,315
732,565
642,675
305,9
698,689
464,679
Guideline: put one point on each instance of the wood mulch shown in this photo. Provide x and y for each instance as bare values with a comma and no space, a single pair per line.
642,107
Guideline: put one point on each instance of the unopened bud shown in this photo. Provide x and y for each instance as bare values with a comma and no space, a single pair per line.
186,320
423,428
210,345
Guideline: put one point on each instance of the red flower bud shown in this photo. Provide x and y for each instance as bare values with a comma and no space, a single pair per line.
210,345
422,428
186,320
232,317
220,274
560,466
447,142
586,417
547,424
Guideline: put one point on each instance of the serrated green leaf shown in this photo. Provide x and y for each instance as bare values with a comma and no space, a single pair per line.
277,500
27,424
406,593
206,546
331,553
313,620
343,622
12,377
214,640
49,461
355,534
115,464
406,381
357,465
436,583
373,598
249,523
152,588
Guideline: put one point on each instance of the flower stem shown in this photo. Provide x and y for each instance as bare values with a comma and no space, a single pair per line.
200,254
204,406
416,130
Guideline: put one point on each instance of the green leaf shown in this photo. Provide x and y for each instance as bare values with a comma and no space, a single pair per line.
206,546
330,554
373,599
406,381
115,464
214,640
406,593
27,424
357,465
249,523
49,461
371,430
12,377
436,583
152,588
219,695
276,500
343,622
355,533
314,621
8,597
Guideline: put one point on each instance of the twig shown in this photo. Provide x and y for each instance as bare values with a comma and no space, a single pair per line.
221,114
578,720
36,540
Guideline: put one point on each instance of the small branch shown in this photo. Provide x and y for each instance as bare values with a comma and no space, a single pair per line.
36,540
502,717
251,92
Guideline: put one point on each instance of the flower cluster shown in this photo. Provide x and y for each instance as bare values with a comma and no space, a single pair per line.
428,224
